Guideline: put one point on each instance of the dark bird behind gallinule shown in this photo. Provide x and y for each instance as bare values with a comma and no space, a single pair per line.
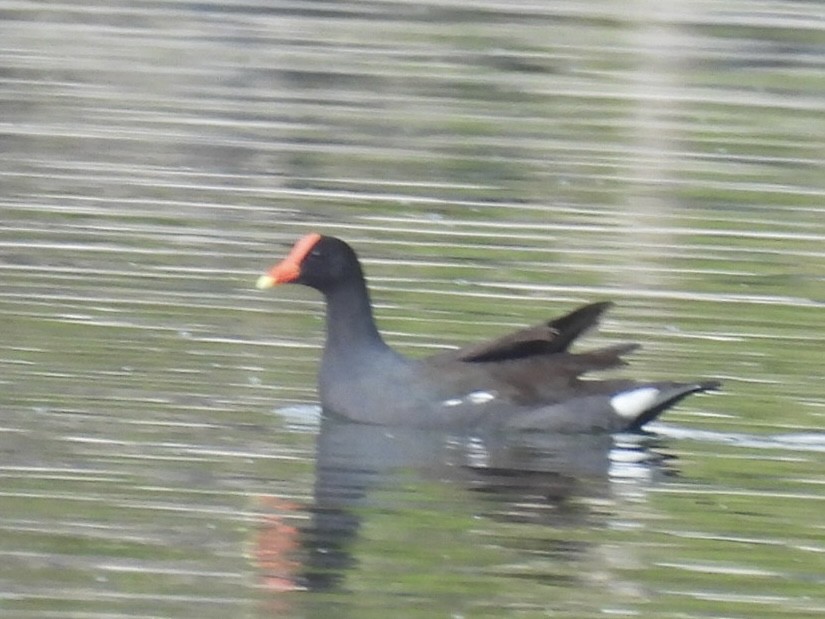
526,380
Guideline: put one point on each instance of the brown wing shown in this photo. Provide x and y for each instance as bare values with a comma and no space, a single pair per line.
553,336
526,381
542,378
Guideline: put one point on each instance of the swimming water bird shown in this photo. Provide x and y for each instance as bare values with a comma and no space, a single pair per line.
527,380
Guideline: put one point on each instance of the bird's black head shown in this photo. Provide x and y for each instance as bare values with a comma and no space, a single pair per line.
320,262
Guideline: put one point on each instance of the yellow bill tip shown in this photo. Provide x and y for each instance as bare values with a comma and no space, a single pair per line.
264,282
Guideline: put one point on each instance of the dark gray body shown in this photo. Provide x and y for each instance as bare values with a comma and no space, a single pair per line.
526,380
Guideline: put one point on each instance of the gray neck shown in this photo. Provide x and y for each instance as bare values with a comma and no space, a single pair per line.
350,325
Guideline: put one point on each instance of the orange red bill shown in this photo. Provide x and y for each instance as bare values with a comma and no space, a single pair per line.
289,269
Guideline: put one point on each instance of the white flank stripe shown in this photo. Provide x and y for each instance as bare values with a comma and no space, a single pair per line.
480,397
474,397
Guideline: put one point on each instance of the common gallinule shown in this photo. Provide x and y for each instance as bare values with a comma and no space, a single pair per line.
526,380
